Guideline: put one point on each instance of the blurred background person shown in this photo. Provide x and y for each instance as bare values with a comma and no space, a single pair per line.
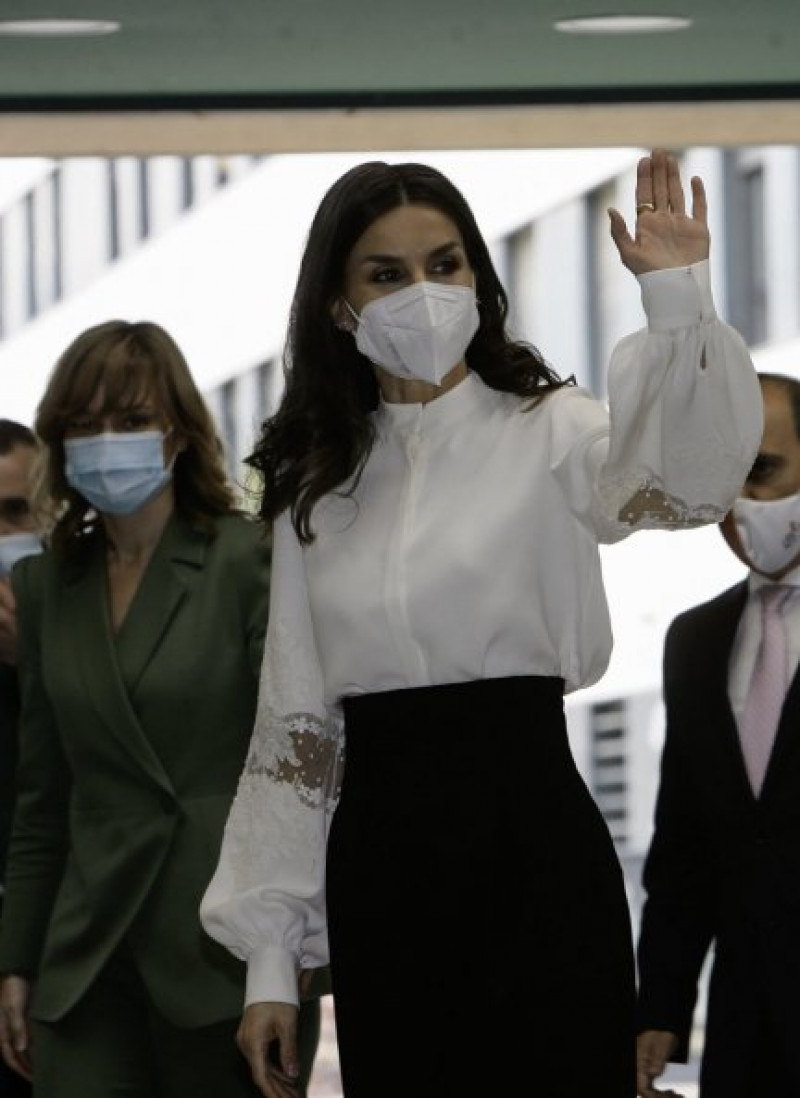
724,862
141,631
18,538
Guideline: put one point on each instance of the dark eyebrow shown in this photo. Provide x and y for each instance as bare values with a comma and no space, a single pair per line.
377,257
450,246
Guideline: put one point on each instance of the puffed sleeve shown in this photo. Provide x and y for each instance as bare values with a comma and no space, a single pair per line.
686,411
265,902
685,418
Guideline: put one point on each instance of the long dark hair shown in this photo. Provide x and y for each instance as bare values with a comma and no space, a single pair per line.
322,433
127,359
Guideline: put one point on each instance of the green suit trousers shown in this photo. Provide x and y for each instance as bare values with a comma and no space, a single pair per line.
114,1042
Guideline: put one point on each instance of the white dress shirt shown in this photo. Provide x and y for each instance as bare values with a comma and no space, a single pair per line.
467,550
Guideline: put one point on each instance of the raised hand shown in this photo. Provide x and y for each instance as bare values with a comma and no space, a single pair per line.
665,234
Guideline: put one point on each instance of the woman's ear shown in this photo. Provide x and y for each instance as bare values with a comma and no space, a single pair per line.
342,317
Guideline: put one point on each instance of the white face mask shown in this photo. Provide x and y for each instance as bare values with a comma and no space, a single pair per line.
421,331
769,531
14,547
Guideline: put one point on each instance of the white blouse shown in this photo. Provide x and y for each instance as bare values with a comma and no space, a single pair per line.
467,550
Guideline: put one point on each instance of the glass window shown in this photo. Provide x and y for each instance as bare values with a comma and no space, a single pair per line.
598,291
229,424
43,208
746,243
113,212
187,183
609,765
143,205
2,279
31,297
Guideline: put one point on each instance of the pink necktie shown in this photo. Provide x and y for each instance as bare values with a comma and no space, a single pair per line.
767,690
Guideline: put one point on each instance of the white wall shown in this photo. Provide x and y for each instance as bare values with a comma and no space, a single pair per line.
221,277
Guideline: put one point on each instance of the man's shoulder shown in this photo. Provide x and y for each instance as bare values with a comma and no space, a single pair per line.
727,605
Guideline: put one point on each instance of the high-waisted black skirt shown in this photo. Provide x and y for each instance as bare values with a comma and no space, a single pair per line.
479,931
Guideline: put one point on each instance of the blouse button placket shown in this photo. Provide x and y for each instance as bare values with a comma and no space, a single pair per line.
397,573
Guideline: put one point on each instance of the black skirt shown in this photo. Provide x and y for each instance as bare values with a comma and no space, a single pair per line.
479,931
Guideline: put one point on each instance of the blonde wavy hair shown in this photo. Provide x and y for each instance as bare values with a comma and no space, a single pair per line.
126,361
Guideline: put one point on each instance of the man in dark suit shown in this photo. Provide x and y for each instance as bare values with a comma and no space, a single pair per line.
724,862
17,535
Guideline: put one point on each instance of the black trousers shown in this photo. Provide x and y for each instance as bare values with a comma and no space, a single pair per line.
476,906
760,1067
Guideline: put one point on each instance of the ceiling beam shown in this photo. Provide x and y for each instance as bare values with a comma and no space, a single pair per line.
186,133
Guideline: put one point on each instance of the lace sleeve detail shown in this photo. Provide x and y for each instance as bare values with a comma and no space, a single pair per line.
287,794
301,751
267,895
641,502
686,421
292,746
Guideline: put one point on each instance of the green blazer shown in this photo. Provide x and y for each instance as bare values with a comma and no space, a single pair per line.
9,718
130,752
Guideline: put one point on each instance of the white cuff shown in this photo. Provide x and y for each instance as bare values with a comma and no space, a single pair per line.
677,297
271,977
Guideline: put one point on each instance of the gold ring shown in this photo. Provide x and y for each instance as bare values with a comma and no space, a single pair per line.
644,206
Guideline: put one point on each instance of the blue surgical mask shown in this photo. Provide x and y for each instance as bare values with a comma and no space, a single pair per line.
117,473
14,547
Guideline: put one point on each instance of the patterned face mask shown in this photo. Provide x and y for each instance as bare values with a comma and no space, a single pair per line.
769,531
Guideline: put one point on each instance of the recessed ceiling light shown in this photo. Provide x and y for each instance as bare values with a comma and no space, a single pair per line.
56,28
622,24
